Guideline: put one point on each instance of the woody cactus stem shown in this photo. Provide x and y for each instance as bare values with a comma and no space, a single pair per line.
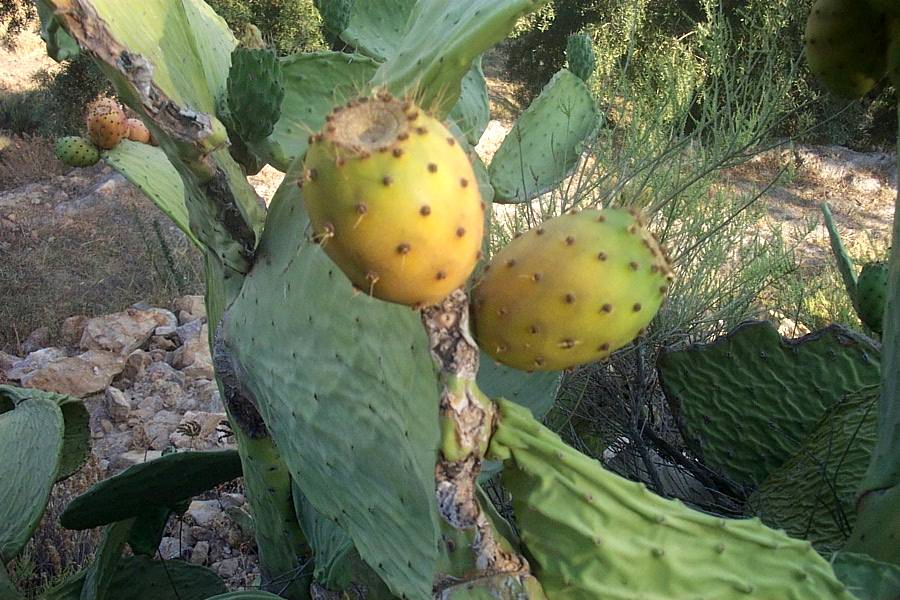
467,418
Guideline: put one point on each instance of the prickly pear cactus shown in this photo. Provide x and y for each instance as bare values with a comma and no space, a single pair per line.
76,151
571,291
580,54
335,14
890,7
137,131
846,46
107,124
393,200
593,534
255,92
871,294
746,401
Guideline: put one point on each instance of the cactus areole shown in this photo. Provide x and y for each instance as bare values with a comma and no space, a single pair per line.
393,200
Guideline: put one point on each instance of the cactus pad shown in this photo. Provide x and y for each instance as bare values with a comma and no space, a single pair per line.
76,151
394,201
746,401
137,131
871,294
31,440
846,46
580,55
335,14
107,124
546,142
255,92
813,495
593,534
866,577
164,481
571,291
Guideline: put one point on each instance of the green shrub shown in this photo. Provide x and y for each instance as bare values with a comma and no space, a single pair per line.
288,25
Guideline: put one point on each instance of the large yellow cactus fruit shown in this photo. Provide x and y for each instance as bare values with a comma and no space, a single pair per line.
393,200
571,291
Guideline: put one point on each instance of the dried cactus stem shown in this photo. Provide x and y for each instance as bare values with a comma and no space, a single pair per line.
467,417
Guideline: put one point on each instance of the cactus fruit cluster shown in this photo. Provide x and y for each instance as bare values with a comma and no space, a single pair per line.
393,200
580,55
76,151
255,92
571,291
847,45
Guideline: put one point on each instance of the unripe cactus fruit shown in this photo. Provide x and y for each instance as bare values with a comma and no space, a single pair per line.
76,151
580,54
255,88
571,291
393,200
871,294
847,45
106,123
137,131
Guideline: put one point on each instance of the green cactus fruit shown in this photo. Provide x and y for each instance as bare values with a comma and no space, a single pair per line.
871,294
393,200
76,151
591,534
847,46
580,54
335,14
571,291
255,92
137,131
107,124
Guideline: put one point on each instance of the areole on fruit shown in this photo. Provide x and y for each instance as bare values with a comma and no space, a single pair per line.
393,200
570,291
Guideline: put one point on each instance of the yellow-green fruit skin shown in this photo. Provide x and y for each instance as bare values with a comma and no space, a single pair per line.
107,124
847,45
402,219
137,131
571,291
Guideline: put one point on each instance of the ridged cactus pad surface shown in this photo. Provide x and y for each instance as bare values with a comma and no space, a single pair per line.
747,401
255,92
346,385
546,142
580,55
572,291
846,45
813,495
393,200
592,534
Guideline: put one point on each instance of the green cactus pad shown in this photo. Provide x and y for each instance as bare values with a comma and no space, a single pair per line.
473,111
867,578
255,92
846,46
148,168
746,401
335,14
313,83
31,440
592,534
546,142
440,43
813,495
7,589
352,411
101,572
376,27
248,595
580,55
536,391
76,151
164,481
496,587
871,294
60,45
877,525
148,529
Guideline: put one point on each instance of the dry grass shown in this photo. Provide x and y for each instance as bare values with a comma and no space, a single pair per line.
55,553
27,159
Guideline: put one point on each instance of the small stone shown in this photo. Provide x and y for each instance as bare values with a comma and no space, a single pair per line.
106,425
227,568
117,405
72,329
200,555
37,339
